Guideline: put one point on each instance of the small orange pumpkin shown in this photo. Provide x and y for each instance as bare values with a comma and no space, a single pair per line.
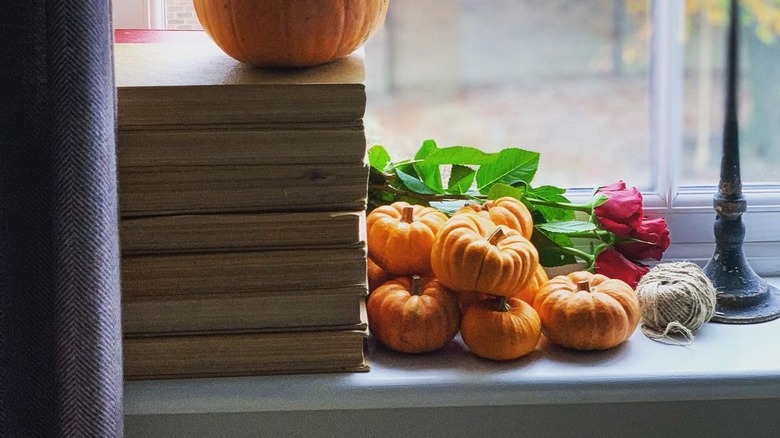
504,211
471,254
400,237
413,315
501,328
587,311
528,292
376,275
289,33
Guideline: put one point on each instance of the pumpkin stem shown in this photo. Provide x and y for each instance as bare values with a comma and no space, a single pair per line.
496,236
583,286
501,304
415,285
407,214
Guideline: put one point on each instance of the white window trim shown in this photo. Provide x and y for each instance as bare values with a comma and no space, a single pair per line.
156,14
139,14
688,210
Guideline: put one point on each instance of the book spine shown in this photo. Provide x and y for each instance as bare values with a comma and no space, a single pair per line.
240,272
243,354
203,189
232,232
219,145
239,104
310,310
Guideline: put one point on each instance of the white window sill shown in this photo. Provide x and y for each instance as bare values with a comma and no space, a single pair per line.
726,362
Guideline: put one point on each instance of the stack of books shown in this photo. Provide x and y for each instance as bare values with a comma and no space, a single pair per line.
242,193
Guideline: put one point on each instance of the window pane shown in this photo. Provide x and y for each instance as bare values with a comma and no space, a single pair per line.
563,77
566,78
759,110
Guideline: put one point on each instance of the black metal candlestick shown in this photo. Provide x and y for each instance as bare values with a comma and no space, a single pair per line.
743,297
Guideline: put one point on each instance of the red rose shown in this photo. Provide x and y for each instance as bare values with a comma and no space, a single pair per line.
654,236
612,264
622,212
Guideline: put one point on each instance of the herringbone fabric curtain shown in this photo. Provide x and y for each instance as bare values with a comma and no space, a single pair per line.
60,338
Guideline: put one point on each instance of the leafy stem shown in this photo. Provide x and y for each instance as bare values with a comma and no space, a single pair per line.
587,257
425,197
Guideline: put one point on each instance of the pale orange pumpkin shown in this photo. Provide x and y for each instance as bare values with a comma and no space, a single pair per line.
400,237
504,211
472,254
413,315
587,311
500,328
289,33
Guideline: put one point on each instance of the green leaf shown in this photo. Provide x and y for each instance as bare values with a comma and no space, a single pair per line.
463,155
567,227
429,173
461,179
511,166
501,190
600,200
414,184
552,194
448,207
378,157
546,245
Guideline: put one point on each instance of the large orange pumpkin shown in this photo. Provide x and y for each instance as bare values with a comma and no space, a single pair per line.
587,311
413,315
400,237
472,254
289,33
504,211
500,328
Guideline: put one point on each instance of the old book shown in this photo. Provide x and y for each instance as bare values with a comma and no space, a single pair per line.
311,309
183,78
247,231
207,145
220,355
201,189
241,272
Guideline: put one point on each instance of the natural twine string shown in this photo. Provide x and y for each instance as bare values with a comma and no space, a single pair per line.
675,299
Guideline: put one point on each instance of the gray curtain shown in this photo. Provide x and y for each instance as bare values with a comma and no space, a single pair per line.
60,337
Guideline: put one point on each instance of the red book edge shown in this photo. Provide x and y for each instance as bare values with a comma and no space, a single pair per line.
157,36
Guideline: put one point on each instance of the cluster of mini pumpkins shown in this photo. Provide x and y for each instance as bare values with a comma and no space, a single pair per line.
477,272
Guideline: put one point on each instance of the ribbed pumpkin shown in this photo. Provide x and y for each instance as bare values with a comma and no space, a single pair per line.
528,292
289,33
472,254
376,276
413,315
504,211
587,311
400,237
500,328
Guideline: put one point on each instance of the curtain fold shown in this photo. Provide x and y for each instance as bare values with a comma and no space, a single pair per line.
60,331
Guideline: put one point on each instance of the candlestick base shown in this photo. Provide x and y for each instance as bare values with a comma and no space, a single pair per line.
743,297
767,310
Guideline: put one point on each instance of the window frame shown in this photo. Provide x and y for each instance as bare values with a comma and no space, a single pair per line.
139,14
687,209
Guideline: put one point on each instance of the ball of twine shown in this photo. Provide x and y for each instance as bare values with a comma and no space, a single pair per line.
675,299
